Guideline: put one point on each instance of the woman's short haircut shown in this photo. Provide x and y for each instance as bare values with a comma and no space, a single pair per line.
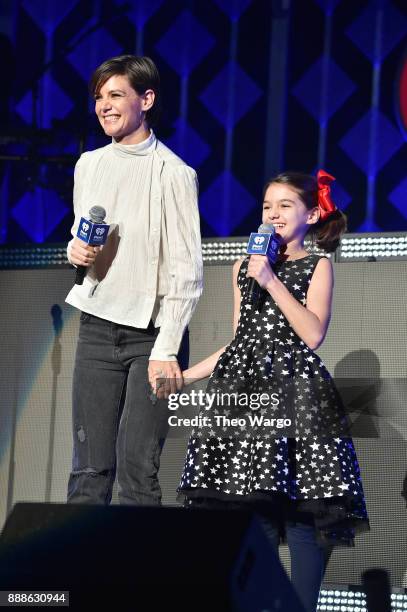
142,74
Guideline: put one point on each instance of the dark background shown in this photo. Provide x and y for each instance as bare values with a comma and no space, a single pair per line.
250,87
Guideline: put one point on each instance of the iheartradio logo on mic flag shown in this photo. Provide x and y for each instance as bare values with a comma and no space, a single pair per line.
94,234
263,244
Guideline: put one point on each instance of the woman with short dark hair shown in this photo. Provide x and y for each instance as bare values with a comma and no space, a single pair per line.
140,290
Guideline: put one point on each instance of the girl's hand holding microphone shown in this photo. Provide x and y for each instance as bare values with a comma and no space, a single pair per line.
259,268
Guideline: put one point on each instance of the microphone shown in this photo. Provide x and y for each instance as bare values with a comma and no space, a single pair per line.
262,242
94,232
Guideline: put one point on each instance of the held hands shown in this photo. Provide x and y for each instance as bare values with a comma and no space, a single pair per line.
259,268
82,254
165,377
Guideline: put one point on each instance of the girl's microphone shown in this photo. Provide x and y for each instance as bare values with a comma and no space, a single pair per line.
262,242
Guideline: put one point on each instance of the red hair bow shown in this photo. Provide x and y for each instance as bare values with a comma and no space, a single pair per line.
325,204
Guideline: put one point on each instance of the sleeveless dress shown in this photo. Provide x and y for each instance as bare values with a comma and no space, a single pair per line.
290,458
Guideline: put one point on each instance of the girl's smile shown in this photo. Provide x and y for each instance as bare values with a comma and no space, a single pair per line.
284,209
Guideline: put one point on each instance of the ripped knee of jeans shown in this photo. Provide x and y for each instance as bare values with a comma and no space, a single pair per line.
90,471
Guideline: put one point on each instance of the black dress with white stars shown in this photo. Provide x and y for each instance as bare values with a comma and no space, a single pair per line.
290,456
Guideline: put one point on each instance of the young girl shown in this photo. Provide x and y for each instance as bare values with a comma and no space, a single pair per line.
306,482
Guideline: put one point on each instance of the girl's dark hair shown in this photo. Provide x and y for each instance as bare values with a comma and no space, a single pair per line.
142,74
325,233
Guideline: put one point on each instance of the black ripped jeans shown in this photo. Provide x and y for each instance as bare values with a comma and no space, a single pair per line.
116,426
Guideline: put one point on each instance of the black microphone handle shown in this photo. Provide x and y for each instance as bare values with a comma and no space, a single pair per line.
80,274
253,291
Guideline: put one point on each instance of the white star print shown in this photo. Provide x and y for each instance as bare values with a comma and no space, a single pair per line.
240,465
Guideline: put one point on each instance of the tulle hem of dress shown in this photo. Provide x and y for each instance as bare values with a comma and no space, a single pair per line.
335,519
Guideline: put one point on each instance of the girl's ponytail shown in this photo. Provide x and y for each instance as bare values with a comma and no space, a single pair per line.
327,234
